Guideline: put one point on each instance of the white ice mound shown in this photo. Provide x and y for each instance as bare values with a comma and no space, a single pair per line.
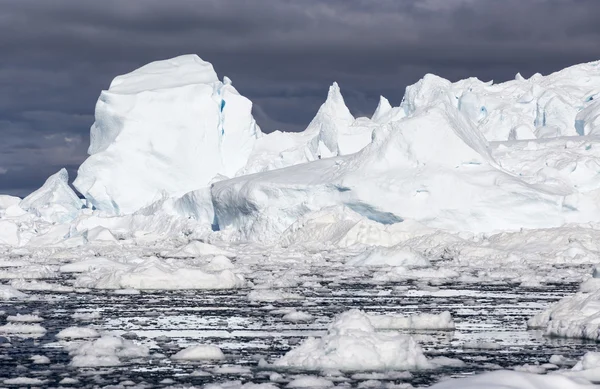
390,256
202,352
511,380
352,343
332,132
423,321
156,274
576,316
105,351
166,128
55,201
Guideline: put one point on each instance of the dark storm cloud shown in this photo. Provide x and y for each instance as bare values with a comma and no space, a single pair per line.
57,55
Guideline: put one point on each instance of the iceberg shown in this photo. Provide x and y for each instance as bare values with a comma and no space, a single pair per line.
165,129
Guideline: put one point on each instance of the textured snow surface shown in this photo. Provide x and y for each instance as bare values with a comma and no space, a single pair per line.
199,353
105,351
576,316
55,201
352,343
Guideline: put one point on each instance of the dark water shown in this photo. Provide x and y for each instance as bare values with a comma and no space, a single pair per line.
247,333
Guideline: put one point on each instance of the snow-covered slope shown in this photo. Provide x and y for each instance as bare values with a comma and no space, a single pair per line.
434,167
55,201
332,132
166,128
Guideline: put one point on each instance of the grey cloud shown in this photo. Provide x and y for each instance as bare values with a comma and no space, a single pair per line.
57,56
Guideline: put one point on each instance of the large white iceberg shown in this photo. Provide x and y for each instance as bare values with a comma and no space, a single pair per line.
166,128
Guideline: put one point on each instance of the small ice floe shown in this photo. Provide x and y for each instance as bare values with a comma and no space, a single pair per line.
200,352
78,333
105,351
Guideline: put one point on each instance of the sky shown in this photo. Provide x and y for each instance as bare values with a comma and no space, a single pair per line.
56,56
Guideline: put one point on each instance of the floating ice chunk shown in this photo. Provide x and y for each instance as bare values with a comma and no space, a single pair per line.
22,329
197,249
105,351
55,201
297,317
511,380
352,343
239,385
155,274
200,352
576,316
18,318
86,316
8,292
390,256
588,367
78,333
423,321
310,381
40,360
36,285
24,381
269,295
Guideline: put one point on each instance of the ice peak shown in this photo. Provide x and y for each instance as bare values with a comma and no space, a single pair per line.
383,107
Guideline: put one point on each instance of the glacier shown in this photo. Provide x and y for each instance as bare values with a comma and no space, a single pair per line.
468,183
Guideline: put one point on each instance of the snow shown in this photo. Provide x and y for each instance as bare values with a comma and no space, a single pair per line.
200,352
390,256
19,318
156,274
55,201
576,316
78,333
197,249
310,382
105,351
332,132
468,182
163,130
511,380
7,201
22,329
297,316
40,359
24,381
8,292
352,343
424,321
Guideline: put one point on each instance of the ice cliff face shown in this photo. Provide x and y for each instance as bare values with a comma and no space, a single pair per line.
164,129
